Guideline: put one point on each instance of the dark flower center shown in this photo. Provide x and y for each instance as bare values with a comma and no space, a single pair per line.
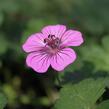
52,41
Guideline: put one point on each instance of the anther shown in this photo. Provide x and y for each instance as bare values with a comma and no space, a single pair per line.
45,41
49,36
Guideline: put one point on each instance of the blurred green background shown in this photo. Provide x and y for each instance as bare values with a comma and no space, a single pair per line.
26,89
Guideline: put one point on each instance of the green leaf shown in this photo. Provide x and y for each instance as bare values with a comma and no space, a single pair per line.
103,105
3,101
82,95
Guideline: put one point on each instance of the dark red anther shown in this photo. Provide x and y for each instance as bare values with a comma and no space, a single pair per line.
52,41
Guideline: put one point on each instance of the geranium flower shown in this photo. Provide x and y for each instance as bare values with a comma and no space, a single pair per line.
50,47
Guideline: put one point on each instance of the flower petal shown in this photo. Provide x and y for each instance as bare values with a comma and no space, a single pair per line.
34,42
72,38
57,30
62,59
39,61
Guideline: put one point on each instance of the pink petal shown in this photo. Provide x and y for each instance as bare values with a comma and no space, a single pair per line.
63,59
57,30
34,42
39,61
72,38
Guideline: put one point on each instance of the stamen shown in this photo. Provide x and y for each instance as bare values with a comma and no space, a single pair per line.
52,41
45,41
49,36
52,36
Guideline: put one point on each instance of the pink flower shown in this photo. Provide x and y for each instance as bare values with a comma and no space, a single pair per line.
50,47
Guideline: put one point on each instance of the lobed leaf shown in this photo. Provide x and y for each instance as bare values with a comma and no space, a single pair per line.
103,105
82,95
